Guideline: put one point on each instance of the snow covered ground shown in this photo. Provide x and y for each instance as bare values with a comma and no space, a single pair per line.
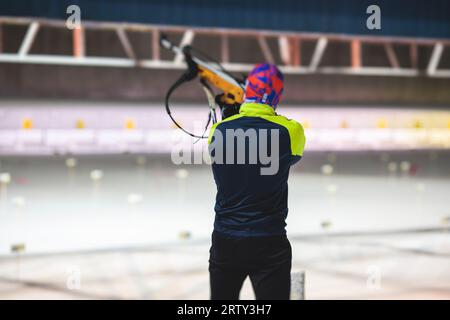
376,227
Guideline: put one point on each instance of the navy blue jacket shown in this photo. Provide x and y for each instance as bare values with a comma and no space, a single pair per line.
252,194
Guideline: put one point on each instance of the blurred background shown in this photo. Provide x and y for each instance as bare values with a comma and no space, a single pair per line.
93,207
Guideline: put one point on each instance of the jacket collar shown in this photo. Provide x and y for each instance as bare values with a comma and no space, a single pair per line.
256,109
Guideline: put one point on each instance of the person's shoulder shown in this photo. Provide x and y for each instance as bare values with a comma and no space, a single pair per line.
296,133
292,125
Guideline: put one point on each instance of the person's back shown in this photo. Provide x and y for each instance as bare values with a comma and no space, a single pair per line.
252,193
251,156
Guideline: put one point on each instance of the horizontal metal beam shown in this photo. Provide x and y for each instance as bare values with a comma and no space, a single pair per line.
443,73
161,64
370,71
67,60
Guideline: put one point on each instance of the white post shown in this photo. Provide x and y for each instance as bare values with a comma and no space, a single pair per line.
297,285
5,179
96,177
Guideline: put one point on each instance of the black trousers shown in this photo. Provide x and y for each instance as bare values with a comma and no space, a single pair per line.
266,260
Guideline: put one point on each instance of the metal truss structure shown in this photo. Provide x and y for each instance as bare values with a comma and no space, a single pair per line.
288,43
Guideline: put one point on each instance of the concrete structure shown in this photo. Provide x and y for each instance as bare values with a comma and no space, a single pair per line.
42,58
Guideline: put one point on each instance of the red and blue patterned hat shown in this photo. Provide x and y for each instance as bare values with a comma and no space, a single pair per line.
264,85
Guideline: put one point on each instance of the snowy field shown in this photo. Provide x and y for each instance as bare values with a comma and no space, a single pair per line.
363,225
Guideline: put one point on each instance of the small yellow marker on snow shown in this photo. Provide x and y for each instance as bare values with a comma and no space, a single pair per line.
129,124
27,124
79,124
382,124
418,124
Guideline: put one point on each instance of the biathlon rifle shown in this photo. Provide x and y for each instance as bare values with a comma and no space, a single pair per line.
210,73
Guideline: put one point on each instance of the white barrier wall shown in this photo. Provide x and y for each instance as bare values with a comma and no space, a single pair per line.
103,128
